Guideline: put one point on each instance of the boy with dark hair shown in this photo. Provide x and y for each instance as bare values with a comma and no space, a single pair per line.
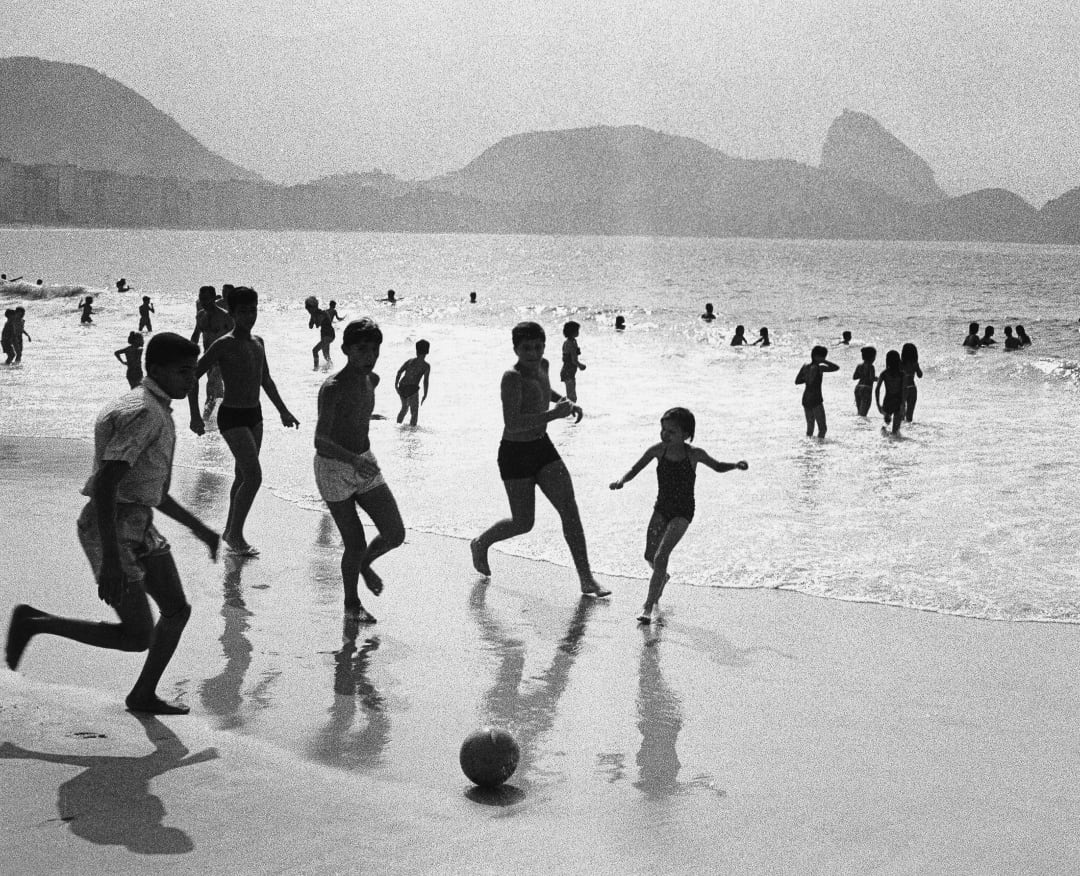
145,309
244,372
211,322
528,459
133,451
346,471
813,402
408,379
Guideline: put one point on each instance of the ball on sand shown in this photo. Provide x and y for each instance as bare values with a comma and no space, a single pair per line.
489,756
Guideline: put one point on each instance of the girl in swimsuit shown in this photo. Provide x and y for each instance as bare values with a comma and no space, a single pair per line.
892,408
676,472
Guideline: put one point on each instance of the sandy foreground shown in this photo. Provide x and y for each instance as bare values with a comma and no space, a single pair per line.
754,732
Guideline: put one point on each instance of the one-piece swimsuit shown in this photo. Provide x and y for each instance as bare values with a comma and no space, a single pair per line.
675,487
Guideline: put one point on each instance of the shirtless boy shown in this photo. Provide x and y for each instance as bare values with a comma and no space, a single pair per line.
133,452
244,372
346,471
408,380
812,400
211,322
528,459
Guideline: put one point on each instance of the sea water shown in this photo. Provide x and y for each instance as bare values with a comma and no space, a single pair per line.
972,510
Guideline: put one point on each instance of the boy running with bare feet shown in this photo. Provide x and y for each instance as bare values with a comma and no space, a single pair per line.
528,459
244,372
346,471
133,452
408,380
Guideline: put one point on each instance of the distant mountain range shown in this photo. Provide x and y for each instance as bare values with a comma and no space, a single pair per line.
77,147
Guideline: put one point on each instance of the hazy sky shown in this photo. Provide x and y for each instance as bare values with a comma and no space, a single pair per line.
987,92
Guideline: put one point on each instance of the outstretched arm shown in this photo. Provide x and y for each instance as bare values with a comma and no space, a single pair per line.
636,468
704,458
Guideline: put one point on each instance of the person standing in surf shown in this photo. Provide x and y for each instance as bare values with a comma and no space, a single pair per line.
812,401
528,459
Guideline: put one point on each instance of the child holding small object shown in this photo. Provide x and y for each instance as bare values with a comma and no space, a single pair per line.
676,473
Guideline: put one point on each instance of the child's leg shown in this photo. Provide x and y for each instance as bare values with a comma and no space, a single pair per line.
554,480
809,412
657,524
325,347
163,585
382,508
315,353
521,493
819,418
352,536
404,408
244,443
909,402
672,535
414,408
571,388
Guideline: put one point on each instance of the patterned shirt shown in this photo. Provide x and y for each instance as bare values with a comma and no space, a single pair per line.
137,429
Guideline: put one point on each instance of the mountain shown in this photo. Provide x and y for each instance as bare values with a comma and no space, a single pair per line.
1060,218
56,113
858,147
988,214
633,180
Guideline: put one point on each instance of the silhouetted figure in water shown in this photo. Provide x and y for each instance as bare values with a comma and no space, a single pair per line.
972,339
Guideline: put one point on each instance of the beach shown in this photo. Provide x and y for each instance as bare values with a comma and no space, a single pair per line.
755,731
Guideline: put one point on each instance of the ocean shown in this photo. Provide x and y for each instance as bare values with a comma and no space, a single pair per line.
972,511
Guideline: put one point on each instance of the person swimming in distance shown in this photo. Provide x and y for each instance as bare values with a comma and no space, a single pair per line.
708,315
763,338
988,337
391,297
739,338
1022,334
620,323
972,339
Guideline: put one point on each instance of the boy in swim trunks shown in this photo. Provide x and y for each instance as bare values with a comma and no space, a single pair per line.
211,322
244,371
407,382
346,471
133,452
528,459
571,363
812,400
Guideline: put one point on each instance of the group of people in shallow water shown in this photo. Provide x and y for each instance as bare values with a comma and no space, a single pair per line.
1012,341
134,439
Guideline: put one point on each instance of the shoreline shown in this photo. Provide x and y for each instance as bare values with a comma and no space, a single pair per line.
749,733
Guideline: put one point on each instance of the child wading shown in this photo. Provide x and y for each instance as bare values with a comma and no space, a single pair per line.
133,453
813,402
346,471
528,459
865,374
676,473
407,382
893,378
131,356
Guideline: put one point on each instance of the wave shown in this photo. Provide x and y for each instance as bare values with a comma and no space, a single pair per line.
23,289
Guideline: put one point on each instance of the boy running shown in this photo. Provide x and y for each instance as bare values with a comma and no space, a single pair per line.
346,471
528,459
133,451
244,372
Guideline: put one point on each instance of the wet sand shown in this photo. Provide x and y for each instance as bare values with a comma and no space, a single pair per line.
755,731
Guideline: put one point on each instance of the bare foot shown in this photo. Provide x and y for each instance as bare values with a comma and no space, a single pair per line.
355,611
238,546
479,558
646,616
153,706
591,588
372,581
19,633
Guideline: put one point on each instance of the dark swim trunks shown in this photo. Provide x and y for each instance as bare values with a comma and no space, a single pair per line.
238,418
520,460
407,390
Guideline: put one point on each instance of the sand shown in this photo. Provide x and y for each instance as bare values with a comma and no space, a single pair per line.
753,732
